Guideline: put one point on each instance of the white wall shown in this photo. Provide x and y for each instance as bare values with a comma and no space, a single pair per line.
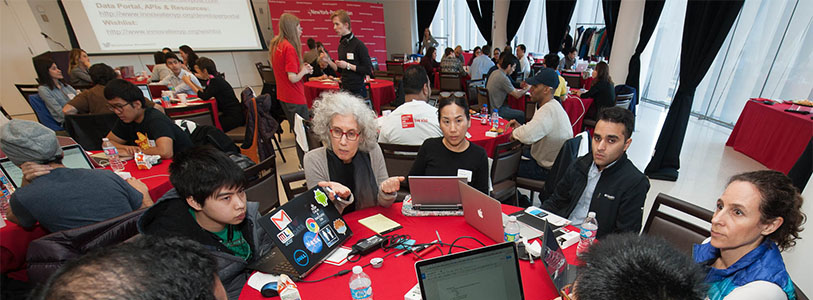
401,26
627,33
21,40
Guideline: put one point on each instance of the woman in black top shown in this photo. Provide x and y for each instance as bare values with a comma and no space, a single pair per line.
429,62
230,112
189,56
453,154
602,91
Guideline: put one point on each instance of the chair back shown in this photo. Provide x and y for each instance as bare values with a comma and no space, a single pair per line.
262,184
573,79
89,129
266,73
193,112
472,89
450,82
482,97
150,67
679,232
398,57
287,184
504,170
399,160
623,101
27,89
395,67
799,294
43,115
47,254
156,89
536,67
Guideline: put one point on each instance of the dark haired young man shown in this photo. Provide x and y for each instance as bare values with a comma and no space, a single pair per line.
140,127
208,205
499,87
175,79
62,198
551,62
147,268
414,121
605,181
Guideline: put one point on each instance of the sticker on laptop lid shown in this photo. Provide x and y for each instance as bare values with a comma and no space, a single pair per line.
286,236
312,226
312,242
329,236
320,197
301,258
281,219
341,228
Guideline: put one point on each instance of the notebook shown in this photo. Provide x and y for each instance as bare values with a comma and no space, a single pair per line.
490,272
305,231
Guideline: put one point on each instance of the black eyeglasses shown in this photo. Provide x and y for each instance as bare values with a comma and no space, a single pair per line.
117,107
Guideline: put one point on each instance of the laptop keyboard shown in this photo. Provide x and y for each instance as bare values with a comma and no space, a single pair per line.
285,268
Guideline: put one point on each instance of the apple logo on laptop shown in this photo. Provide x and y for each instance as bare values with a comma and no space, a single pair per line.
480,213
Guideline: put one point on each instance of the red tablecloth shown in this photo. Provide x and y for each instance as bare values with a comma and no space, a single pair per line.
478,135
134,80
383,91
770,135
409,64
467,57
14,239
572,105
212,101
397,275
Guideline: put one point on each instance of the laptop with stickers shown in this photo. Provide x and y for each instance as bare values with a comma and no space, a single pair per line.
305,230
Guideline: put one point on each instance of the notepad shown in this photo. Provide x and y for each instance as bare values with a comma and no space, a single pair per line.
380,224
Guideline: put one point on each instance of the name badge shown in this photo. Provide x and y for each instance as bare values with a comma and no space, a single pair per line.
350,56
464,173
71,95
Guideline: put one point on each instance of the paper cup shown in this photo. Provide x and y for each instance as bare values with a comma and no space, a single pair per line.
182,97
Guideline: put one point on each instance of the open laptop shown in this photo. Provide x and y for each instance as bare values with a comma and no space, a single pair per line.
490,272
485,214
73,157
145,90
560,272
435,192
305,231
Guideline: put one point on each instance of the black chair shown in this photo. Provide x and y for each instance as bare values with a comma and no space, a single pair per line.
292,190
482,99
89,129
399,160
395,67
573,79
536,67
680,233
27,89
398,57
188,112
623,100
262,184
450,82
5,113
471,89
504,171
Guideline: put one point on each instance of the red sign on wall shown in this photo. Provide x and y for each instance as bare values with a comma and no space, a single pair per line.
366,21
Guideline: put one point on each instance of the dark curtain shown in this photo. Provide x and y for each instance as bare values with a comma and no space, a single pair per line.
610,8
652,13
426,12
482,16
707,24
558,14
516,13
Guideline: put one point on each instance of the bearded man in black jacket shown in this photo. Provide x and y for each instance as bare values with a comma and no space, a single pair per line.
604,181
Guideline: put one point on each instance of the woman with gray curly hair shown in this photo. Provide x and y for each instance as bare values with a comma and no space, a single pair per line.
350,163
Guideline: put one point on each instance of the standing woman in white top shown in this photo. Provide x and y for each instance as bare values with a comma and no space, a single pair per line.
53,91
758,216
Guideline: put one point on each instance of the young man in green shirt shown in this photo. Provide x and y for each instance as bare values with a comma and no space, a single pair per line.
208,205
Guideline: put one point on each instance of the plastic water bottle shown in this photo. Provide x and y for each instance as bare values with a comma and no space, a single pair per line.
360,285
495,119
484,115
588,232
511,233
6,191
112,155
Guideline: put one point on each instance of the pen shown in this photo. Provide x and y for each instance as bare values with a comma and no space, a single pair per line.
329,190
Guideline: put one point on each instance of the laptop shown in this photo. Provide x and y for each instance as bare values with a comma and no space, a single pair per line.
145,90
435,192
485,214
73,157
560,272
305,231
490,272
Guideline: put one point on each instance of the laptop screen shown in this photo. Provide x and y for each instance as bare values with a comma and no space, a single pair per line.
145,90
485,273
73,157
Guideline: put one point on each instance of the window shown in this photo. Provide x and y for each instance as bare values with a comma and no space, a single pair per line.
453,25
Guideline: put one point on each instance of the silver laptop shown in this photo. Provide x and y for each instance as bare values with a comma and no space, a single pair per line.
485,214
73,157
435,192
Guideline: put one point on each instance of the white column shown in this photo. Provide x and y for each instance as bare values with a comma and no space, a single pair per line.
627,32
499,24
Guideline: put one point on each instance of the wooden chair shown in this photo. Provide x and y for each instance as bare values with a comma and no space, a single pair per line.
89,129
398,57
288,184
187,112
471,89
395,67
482,99
573,79
262,184
399,159
623,100
450,82
536,67
679,232
504,171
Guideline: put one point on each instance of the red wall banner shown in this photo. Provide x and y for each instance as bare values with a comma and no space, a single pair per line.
366,21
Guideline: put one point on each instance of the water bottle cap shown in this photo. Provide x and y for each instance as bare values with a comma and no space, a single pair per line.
591,214
357,270
512,218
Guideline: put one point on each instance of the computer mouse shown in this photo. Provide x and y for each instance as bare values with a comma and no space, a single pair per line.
269,290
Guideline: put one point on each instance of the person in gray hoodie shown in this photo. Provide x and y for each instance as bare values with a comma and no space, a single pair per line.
208,205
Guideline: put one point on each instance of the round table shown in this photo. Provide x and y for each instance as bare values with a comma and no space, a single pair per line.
397,275
478,135
383,91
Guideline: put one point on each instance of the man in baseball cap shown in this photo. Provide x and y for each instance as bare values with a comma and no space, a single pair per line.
62,198
547,131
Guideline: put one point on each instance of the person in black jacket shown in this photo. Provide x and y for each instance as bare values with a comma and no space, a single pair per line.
602,91
605,181
230,112
354,62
